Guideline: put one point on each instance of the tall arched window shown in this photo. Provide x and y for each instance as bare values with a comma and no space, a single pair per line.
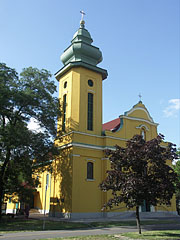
90,112
64,113
89,170
143,133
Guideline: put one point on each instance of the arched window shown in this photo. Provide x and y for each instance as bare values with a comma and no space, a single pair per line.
90,112
65,84
89,170
143,133
64,113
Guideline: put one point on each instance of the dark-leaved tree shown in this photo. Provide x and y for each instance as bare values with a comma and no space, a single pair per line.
139,173
23,150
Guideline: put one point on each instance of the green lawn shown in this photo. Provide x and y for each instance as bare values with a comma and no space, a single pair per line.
155,235
37,225
151,235
130,223
9,224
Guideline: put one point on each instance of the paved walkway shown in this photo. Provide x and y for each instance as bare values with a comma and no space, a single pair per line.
107,219
83,232
31,235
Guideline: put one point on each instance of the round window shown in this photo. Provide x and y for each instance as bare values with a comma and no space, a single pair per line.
65,84
90,82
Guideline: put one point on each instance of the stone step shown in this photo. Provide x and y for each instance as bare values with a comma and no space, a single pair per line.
34,210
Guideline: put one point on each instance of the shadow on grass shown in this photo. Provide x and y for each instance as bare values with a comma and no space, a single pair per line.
37,225
166,235
156,235
131,223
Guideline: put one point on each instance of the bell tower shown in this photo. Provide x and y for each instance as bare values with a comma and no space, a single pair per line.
80,85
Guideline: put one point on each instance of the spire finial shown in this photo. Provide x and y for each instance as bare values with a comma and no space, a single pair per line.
82,22
140,96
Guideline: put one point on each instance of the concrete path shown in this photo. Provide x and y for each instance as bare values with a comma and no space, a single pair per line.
107,219
95,231
63,233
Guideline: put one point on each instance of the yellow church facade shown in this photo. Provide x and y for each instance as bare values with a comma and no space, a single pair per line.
82,165
72,189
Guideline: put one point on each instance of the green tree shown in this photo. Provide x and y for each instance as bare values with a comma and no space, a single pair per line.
139,173
177,186
23,150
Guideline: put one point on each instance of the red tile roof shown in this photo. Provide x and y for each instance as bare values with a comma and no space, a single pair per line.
112,125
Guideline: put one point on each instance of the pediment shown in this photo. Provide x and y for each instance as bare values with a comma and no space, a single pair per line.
139,111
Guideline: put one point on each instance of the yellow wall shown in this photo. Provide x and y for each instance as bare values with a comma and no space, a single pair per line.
77,95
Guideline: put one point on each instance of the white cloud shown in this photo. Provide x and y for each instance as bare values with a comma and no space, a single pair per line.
173,108
33,125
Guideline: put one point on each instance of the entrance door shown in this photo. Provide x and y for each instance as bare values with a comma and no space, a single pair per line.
145,207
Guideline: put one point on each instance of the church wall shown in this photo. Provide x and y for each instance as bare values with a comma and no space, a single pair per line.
96,90
77,96
87,197
133,128
165,208
86,138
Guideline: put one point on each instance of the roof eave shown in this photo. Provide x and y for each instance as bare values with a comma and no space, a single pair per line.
70,65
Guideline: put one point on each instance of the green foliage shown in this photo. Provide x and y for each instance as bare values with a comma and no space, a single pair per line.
177,185
23,150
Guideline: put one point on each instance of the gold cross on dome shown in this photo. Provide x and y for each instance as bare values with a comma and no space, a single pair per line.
82,16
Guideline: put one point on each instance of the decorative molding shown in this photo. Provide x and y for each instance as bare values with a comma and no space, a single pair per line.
90,90
143,126
140,119
74,144
93,135
75,155
90,180
90,159
83,145
139,108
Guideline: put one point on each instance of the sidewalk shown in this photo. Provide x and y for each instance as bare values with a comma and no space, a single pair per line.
108,219
31,235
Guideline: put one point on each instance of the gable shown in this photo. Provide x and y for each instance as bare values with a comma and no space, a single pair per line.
137,117
139,111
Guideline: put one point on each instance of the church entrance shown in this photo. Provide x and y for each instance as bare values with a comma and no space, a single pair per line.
145,207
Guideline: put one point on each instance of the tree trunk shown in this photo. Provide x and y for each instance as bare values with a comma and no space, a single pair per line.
138,220
2,176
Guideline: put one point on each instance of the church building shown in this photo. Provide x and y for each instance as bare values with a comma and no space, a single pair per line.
73,190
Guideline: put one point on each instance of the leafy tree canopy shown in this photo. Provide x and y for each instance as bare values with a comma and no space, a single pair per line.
177,170
22,150
140,173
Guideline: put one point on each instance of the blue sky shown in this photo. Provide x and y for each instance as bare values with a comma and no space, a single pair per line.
139,39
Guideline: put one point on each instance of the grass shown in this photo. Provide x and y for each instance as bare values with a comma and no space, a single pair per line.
151,235
9,224
37,225
155,235
129,223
